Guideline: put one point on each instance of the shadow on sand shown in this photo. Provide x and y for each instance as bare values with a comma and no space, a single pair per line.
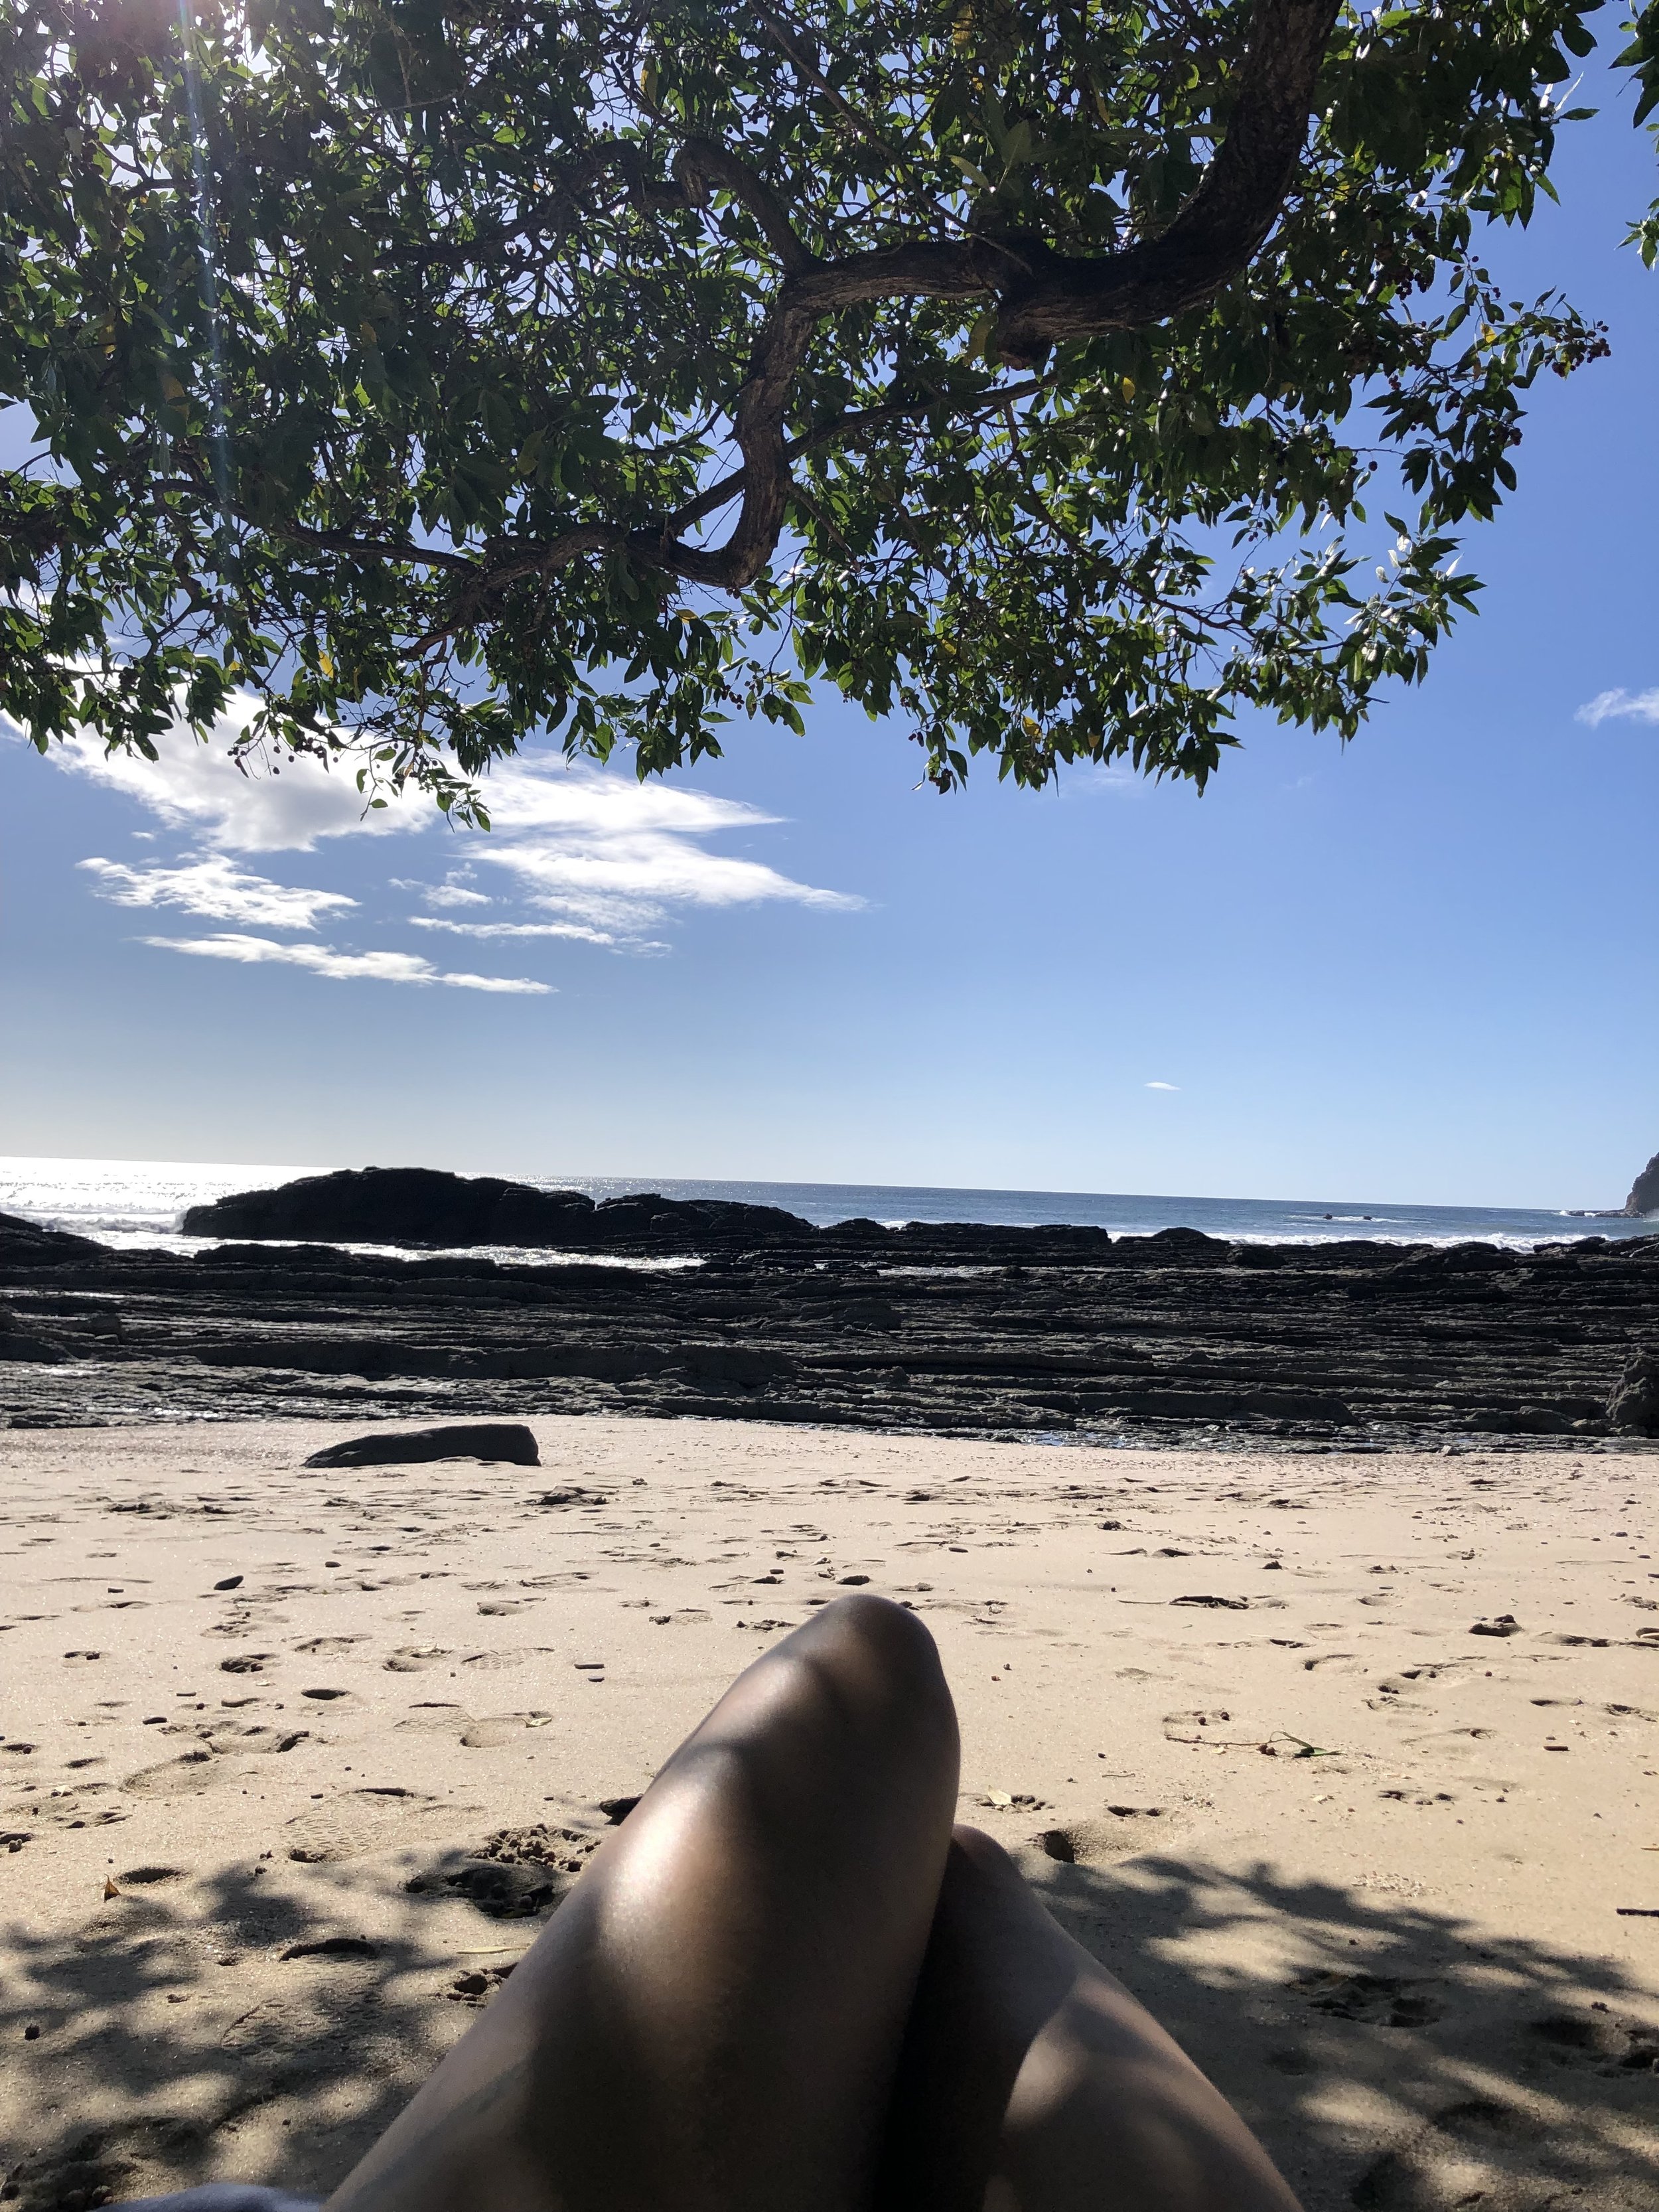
1394,2058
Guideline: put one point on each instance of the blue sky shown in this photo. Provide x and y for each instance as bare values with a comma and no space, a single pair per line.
1422,969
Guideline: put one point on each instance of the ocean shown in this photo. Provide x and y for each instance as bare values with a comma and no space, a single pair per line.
139,1202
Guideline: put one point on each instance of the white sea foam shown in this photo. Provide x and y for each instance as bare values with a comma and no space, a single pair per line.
123,1201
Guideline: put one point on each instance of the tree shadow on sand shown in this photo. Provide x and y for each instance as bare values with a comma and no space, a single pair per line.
1394,2058
266,2026
258,2023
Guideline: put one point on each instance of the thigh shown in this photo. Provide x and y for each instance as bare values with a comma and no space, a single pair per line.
713,2018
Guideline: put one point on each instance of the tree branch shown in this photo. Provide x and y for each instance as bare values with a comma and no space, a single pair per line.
699,167
1223,226
376,549
797,49
1044,297
849,428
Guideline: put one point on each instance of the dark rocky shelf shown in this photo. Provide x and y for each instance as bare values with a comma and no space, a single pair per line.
956,1329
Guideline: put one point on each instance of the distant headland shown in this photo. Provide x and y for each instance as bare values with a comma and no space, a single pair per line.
1642,1205
1644,1198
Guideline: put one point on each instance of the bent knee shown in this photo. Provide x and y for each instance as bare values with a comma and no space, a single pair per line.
888,1632
883,1654
973,1850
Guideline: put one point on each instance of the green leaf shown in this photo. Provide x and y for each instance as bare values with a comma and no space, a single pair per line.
467,365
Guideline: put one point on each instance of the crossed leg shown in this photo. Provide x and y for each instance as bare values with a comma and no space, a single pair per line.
780,1987
1032,2078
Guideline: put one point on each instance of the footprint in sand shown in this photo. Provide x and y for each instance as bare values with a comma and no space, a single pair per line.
414,1658
231,1736
313,2017
490,1733
74,1809
320,1646
1479,2153
1451,1743
435,1715
358,1822
184,1776
473,1732
1597,2039
1391,1699
331,1946
1380,2000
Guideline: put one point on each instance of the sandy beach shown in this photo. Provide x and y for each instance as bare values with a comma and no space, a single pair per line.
292,1762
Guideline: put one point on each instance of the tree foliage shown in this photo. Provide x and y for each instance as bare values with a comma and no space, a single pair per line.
420,376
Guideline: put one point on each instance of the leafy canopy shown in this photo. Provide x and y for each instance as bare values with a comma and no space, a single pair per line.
417,375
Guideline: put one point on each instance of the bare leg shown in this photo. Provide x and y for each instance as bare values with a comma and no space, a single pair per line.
1033,2081
713,2020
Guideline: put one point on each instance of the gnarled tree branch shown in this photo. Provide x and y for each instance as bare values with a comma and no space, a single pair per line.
1221,229
1045,296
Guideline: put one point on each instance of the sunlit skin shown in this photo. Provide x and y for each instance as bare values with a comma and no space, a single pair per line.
786,1985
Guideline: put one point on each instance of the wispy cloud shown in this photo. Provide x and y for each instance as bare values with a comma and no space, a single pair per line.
245,809
578,930
217,889
1620,706
628,882
617,853
452,895
324,960
1099,779
583,855
1163,1086
578,840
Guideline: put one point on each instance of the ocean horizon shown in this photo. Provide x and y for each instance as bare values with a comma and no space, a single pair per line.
130,1203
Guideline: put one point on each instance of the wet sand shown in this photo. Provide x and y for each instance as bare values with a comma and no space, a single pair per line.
1370,1865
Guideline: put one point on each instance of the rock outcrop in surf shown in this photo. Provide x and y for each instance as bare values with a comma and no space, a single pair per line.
427,1205
1644,1198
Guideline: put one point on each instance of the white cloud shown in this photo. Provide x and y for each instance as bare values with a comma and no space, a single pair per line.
324,960
1627,706
626,882
257,808
1163,1086
578,930
1101,780
601,852
218,890
615,853
452,895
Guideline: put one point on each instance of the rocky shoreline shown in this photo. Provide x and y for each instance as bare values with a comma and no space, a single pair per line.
959,1329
